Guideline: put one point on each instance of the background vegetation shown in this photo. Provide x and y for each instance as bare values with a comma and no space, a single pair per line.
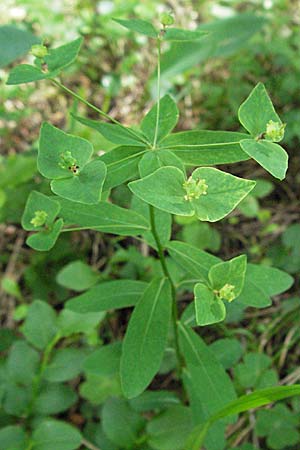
255,41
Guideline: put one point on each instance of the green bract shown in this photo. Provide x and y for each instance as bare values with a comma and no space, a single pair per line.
209,193
47,65
66,160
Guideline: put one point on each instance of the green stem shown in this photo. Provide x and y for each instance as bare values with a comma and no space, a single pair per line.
160,251
38,379
98,110
158,93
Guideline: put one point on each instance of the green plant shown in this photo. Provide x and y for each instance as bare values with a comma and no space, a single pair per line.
158,166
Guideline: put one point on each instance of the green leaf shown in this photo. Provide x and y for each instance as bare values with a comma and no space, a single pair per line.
168,118
70,322
140,26
163,222
269,155
54,398
209,308
154,400
121,424
146,337
225,37
195,261
39,202
56,60
77,276
261,283
153,160
97,389
14,42
53,145
103,217
45,240
13,437
252,370
40,327
257,110
115,133
205,147
22,363
170,429
104,361
179,35
108,295
228,351
165,190
25,73
66,364
85,187
229,272
213,385
224,192
55,435
122,165
279,425
244,403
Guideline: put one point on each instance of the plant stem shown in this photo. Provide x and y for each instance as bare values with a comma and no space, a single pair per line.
98,110
38,378
160,251
89,445
158,93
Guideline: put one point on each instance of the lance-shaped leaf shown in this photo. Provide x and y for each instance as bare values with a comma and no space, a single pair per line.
167,120
151,161
56,60
83,187
229,273
115,133
205,147
58,150
103,217
122,165
146,337
108,295
180,35
269,155
140,26
45,240
208,378
257,111
209,193
209,307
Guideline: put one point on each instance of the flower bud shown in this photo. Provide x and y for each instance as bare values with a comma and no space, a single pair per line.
166,19
39,51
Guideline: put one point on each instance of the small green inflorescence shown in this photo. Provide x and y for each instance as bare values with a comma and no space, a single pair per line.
275,131
227,292
194,188
39,51
166,19
39,218
68,162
